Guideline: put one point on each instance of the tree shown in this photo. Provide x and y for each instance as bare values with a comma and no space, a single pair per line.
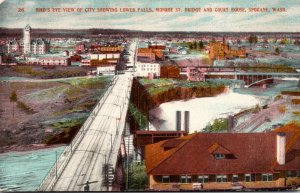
138,179
13,98
219,125
253,39
201,45
277,51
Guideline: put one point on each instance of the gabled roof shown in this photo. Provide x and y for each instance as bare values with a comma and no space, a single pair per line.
172,143
218,149
253,153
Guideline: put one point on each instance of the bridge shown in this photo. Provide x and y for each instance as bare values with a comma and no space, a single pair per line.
92,155
246,73
251,77
262,81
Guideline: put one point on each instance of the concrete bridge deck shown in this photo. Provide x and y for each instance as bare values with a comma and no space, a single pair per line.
97,143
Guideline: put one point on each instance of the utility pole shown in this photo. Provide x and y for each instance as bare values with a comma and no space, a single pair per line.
127,183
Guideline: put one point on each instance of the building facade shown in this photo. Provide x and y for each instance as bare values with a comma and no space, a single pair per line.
26,40
221,51
225,161
146,69
54,61
106,70
28,46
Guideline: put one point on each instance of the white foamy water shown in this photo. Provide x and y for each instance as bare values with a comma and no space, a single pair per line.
202,110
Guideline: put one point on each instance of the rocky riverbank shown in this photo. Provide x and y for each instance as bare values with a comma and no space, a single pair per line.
45,113
149,94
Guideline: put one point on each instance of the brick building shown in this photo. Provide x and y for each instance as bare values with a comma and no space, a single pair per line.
221,51
225,161
169,71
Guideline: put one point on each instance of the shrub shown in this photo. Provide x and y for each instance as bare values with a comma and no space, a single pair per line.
219,125
24,107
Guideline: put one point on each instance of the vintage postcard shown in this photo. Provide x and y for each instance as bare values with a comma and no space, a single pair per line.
149,95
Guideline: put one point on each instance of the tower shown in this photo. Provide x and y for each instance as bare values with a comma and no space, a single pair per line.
26,39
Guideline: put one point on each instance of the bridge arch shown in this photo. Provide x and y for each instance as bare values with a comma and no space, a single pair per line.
259,81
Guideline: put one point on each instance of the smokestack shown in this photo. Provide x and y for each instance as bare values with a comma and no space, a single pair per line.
187,121
178,120
280,148
230,123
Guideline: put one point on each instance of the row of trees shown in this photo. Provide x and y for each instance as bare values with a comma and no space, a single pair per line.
253,39
197,45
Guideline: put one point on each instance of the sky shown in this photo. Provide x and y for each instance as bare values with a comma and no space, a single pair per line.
288,21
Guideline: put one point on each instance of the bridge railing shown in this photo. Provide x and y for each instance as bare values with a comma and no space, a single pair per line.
60,164
120,130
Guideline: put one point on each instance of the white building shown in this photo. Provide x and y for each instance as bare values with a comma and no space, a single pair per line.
28,46
106,70
39,46
56,61
145,69
104,56
26,39
14,47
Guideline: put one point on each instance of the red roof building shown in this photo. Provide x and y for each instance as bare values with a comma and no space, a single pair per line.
225,161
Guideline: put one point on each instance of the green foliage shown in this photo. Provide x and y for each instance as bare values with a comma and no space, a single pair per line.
284,41
193,45
138,179
28,70
13,96
157,86
219,125
63,124
200,45
139,118
277,50
252,39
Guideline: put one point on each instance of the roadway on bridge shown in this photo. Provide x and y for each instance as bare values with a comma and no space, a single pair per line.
97,142
95,148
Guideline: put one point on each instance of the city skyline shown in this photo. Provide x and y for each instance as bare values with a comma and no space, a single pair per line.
183,21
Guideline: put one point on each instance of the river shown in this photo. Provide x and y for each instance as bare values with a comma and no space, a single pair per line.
24,171
207,109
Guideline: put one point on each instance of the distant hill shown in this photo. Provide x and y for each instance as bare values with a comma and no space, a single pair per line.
86,33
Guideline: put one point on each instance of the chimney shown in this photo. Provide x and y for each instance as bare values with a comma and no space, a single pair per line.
230,123
178,120
187,121
280,148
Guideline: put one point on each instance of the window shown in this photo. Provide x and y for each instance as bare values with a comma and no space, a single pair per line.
267,177
219,156
185,179
221,178
249,177
289,174
235,178
165,179
202,179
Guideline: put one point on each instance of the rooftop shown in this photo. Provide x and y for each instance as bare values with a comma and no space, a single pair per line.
244,153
